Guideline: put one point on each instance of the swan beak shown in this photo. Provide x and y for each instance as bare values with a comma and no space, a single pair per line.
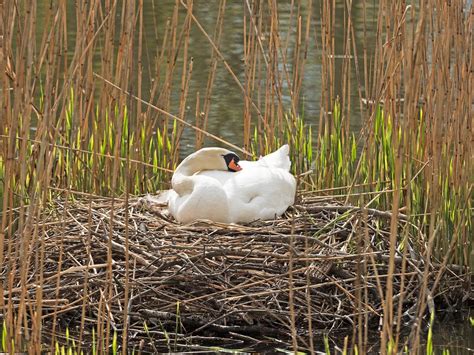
234,166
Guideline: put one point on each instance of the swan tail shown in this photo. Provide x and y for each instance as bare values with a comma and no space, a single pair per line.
279,158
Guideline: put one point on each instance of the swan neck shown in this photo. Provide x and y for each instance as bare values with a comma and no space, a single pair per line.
210,159
182,181
205,159
188,167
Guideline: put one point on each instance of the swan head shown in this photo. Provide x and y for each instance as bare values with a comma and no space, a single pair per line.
209,159
214,158
232,162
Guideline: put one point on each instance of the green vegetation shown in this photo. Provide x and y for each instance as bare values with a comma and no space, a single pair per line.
429,339
5,339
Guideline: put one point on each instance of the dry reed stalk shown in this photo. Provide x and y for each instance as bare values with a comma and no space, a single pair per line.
4,103
140,120
198,122
251,38
212,72
186,73
171,50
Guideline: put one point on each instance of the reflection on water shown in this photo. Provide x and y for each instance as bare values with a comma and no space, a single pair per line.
227,102
453,331
226,114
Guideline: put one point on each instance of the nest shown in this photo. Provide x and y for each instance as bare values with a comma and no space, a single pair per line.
125,262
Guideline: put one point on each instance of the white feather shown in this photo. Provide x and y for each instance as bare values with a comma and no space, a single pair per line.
204,189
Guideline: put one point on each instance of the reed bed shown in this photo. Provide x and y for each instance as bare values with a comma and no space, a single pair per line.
90,106
209,283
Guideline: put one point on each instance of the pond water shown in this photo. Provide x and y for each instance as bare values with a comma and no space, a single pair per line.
453,331
227,103
225,118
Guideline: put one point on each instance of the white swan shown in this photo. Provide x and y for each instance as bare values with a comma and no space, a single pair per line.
214,184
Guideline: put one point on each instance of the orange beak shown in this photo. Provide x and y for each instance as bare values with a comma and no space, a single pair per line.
234,166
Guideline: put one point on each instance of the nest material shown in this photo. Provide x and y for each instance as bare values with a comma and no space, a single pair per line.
318,267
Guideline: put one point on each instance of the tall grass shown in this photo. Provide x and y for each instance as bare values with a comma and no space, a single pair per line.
80,117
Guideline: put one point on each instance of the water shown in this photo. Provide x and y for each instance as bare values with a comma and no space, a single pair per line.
453,331
227,103
225,116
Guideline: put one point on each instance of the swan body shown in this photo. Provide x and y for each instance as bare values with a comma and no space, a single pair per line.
203,187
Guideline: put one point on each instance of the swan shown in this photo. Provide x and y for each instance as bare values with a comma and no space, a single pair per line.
214,184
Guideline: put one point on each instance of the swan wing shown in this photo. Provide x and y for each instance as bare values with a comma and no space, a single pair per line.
219,176
207,200
260,193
